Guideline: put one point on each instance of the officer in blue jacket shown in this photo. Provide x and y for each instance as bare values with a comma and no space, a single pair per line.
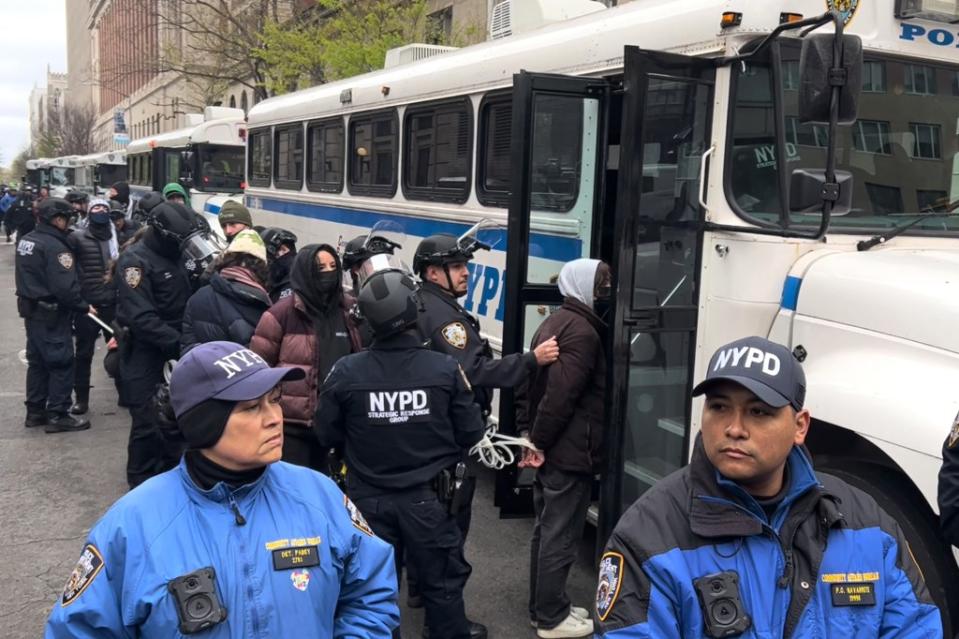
232,542
748,540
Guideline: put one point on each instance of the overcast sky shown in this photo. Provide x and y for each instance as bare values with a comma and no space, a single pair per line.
34,35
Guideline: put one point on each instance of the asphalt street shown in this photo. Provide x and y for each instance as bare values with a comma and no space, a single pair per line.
54,487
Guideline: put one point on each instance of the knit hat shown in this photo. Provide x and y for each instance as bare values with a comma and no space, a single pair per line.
233,211
248,241
174,187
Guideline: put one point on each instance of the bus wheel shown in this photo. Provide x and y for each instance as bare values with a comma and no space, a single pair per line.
895,495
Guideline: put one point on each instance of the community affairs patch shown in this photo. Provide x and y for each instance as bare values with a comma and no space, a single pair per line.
88,567
357,517
133,275
65,259
953,434
610,581
455,335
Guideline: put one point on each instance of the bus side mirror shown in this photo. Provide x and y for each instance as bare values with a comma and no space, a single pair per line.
817,77
187,182
807,192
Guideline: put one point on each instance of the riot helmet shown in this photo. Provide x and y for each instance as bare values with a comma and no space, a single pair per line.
173,223
76,197
364,247
146,204
388,302
274,238
54,207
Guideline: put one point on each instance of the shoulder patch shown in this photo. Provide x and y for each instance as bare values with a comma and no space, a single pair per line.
357,517
65,259
25,247
133,275
455,334
953,434
88,567
466,381
610,581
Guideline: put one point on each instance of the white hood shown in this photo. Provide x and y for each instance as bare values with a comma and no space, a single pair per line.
577,279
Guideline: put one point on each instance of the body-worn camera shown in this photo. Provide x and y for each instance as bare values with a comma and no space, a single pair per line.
723,612
197,604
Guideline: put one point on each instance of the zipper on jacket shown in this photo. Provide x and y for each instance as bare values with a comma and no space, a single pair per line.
237,516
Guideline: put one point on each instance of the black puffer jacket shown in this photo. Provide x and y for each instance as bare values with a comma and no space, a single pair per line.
222,310
130,227
93,260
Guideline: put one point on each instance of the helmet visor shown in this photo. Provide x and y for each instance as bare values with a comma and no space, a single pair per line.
199,249
378,263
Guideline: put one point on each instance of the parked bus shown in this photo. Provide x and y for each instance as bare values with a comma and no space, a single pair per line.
206,157
37,173
97,172
690,171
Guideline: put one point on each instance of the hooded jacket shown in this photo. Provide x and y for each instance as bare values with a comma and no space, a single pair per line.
562,405
223,310
174,187
168,527
828,563
286,336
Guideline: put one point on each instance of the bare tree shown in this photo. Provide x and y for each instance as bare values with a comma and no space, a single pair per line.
71,130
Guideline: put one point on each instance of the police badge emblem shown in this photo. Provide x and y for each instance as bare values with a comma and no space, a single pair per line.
359,522
610,580
132,276
846,8
954,433
88,567
65,259
455,334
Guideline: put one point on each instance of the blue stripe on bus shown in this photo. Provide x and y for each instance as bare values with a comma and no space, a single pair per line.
212,209
790,298
554,247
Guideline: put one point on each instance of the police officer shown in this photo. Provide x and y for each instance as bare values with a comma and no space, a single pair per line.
949,486
232,543
356,252
280,252
748,540
404,415
48,295
152,292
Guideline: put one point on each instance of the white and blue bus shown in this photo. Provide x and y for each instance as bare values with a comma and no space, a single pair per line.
637,135
97,172
206,157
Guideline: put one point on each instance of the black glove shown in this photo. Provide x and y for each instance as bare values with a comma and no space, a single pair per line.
165,419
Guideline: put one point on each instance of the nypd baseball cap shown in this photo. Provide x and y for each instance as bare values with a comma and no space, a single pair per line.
767,369
225,371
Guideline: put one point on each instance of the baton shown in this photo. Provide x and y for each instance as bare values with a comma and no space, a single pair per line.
100,322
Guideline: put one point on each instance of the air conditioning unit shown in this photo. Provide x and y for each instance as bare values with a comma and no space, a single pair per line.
219,112
519,16
413,53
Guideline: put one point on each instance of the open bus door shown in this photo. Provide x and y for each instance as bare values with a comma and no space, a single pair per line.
558,154
653,242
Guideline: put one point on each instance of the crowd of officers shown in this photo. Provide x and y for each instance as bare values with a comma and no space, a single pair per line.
342,362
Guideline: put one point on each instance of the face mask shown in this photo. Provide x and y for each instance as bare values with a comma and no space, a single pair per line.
99,218
603,293
326,281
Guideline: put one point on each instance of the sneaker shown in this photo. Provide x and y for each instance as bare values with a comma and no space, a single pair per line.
576,611
35,419
66,423
571,626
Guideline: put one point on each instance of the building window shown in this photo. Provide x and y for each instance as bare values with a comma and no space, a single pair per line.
886,200
493,157
437,147
232,101
325,148
806,134
289,157
932,201
926,141
243,102
791,75
260,168
920,80
872,136
440,26
373,153
874,77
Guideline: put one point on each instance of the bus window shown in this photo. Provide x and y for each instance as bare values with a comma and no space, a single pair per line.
221,168
436,152
557,150
325,148
260,169
109,174
288,150
373,154
493,179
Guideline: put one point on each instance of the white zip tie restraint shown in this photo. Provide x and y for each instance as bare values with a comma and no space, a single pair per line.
495,449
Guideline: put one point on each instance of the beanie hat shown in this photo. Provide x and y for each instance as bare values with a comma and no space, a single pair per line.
202,426
233,211
250,242
174,187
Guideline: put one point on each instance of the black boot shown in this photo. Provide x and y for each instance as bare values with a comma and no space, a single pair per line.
62,423
477,630
82,403
35,417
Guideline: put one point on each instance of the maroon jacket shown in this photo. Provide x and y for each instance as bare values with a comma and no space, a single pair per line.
562,405
285,337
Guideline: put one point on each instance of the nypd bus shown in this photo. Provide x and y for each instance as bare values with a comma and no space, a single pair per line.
651,135
206,157
97,172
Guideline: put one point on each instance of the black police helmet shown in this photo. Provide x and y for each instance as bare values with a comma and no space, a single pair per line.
55,207
438,250
174,222
150,201
274,238
388,302
76,197
358,250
